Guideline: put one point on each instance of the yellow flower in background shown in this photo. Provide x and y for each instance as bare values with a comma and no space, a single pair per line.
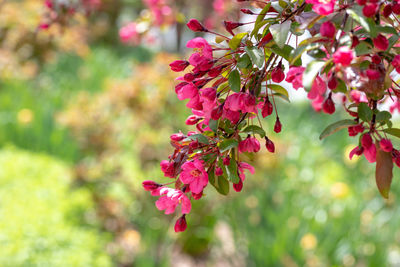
25,116
308,241
340,190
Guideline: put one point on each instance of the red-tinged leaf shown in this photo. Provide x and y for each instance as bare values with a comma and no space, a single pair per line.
384,171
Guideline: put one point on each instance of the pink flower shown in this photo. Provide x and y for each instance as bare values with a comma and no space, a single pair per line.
369,147
168,168
171,198
317,103
203,53
318,88
343,56
129,33
250,144
295,77
356,151
322,7
194,174
370,9
187,91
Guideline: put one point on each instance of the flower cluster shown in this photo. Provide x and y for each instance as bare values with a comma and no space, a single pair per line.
235,81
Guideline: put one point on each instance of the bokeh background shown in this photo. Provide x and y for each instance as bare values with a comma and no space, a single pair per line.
85,117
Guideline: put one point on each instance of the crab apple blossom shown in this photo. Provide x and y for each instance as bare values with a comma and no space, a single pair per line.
194,174
234,81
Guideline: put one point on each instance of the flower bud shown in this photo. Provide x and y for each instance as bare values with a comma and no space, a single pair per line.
180,224
247,11
230,26
366,140
196,26
332,83
179,65
387,10
278,126
354,42
386,145
192,120
361,2
226,161
150,185
376,59
381,42
396,8
267,108
343,56
328,106
239,186
328,29
370,9
197,196
277,75
218,171
373,74
269,145
177,137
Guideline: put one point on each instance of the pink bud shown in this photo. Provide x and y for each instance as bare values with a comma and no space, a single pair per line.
356,151
278,126
396,8
332,83
180,224
269,145
376,59
370,9
328,106
327,29
218,171
366,141
179,65
229,26
386,145
361,2
226,161
354,41
192,120
197,196
177,137
387,11
196,26
267,108
396,63
381,42
277,74
150,185
247,11
239,186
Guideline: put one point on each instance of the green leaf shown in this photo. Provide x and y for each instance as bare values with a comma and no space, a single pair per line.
280,32
244,61
260,19
254,129
284,97
393,131
213,124
231,171
285,52
199,137
227,144
367,23
334,127
236,40
383,116
278,89
311,72
256,55
364,112
363,48
383,171
218,182
234,81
